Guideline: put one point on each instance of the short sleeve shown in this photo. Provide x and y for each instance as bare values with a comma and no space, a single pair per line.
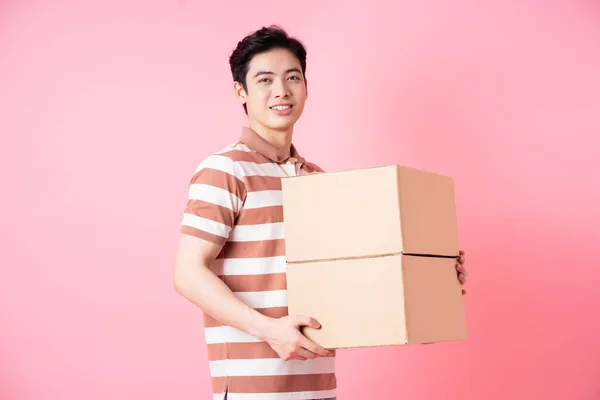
216,194
312,168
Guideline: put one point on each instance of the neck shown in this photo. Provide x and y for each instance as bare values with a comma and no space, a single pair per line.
281,139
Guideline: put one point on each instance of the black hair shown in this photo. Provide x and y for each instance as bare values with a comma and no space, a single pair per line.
260,41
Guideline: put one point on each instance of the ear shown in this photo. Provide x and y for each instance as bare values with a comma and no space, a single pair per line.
240,93
306,86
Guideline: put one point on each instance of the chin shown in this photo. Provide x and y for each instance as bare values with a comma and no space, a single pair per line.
282,124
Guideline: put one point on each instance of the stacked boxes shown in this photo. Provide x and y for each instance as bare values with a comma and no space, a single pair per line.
371,255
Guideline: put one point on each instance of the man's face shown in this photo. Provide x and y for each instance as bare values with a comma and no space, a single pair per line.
276,89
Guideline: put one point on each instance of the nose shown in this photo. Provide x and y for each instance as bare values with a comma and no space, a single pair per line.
280,89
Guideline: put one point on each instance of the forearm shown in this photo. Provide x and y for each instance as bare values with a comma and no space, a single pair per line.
204,289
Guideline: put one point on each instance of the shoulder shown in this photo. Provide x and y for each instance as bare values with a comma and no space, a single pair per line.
225,160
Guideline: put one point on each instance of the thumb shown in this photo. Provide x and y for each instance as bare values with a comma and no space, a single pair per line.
306,321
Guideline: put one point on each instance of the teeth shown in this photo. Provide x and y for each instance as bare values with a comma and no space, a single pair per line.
280,108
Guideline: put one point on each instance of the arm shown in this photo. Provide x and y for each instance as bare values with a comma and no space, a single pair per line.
216,196
197,283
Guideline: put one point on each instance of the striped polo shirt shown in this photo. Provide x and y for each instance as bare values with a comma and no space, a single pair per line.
235,201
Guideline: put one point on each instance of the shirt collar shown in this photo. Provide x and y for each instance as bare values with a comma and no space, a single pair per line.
256,143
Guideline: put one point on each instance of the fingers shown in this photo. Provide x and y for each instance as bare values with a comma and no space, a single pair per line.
305,347
314,348
298,356
462,273
302,354
294,357
300,320
305,354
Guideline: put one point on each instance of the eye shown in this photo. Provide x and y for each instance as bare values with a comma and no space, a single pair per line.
294,77
263,80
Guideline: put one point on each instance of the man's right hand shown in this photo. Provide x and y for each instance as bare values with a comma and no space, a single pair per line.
284,336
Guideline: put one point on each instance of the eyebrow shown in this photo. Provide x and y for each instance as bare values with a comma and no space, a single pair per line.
259,73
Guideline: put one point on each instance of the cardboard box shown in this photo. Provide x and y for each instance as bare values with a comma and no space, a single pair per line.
371,255
369,212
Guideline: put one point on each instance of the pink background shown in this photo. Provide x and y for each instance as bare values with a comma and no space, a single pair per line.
106,109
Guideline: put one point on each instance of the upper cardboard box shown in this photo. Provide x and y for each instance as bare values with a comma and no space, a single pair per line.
366,212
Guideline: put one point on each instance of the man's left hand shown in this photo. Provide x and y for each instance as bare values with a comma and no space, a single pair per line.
461,270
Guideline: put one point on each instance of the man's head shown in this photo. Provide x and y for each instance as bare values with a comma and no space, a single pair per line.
268,69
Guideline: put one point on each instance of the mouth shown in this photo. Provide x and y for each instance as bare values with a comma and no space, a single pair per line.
282,107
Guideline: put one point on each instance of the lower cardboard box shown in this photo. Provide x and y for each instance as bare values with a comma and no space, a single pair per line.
378,301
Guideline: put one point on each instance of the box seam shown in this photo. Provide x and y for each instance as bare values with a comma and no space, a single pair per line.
402,270
318,260
400,222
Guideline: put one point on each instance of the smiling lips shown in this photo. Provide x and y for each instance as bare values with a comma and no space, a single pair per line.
281,107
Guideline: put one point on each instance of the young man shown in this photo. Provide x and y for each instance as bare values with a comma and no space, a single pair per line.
231,261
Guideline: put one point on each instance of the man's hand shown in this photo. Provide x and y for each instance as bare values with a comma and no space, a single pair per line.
284,336
461,270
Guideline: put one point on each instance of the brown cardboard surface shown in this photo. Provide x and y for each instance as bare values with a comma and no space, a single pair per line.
358,302
428,213
379,301
341,214
433,300
368,212
371,255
